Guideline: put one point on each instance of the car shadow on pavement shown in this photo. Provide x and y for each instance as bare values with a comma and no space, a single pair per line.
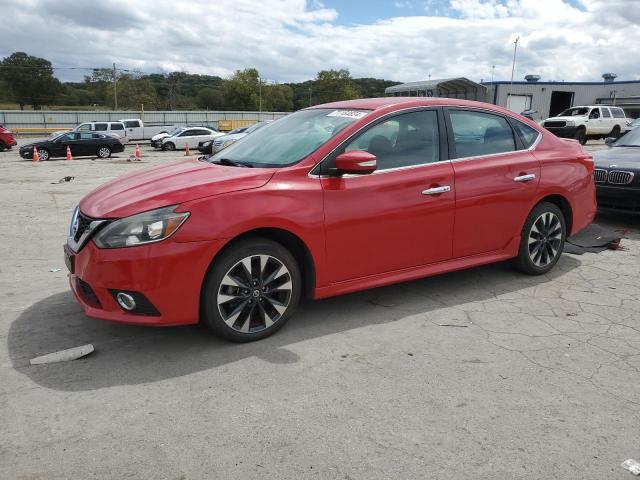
132,355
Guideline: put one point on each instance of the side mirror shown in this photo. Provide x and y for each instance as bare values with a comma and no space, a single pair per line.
610,140
357,162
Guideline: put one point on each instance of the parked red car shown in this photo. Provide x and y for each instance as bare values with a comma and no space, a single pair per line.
328,200
6,139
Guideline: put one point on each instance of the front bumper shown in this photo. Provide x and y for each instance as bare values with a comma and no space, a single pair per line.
622,198
156,143
26,154
563,132
169,274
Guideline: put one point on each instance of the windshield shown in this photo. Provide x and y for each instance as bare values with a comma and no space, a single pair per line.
176,131
289,139
629,139
574,112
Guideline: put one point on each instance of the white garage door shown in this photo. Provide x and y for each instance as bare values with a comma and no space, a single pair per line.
519,103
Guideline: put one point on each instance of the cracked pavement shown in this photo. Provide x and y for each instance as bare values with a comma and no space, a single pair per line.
484,373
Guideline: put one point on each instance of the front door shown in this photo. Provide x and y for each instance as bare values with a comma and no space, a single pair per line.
495,178
398,217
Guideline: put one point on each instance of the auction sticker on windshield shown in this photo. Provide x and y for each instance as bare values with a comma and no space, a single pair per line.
347,113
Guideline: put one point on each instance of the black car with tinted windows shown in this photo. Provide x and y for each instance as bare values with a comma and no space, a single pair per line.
80,143
617,173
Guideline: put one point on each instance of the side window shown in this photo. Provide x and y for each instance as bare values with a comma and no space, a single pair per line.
132,124
617,112
479,133
605,112
101,127
528,135
187,133
86,136
85,127
401,141
117,126
69,137
595,113
97,135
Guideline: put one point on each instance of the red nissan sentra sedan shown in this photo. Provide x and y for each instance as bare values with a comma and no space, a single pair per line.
328,200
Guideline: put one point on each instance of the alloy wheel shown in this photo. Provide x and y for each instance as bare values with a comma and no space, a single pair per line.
254,293
104,152
545,238
43,155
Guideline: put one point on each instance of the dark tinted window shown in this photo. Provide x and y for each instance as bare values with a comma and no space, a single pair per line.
187,133
605,112
618,112
401,141
98,135
479,133
100,127
86,136
528,135
117,126
132,124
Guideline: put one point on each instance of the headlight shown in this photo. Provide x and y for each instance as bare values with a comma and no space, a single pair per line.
570,123
206,144
140,229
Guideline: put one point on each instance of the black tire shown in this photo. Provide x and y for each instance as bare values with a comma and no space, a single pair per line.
103,151
168,146
2,146
615,132
581,135
251,307
43,154
531,254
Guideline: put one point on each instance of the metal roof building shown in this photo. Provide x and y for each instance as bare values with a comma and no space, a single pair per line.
546,98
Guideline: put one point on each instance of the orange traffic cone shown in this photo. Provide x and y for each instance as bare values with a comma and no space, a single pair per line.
186,151
69,157
138,153
36,157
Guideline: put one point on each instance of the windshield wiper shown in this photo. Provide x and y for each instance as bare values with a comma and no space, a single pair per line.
232,163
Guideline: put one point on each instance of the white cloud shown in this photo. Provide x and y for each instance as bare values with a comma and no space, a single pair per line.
290,40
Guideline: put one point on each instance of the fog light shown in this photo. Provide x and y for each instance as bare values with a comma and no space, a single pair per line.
126,301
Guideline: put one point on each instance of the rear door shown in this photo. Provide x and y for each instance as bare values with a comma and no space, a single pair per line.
496,175
597,124
401,215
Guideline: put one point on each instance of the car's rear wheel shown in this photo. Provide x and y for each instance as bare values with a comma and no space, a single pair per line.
169,146
251,291
581,135
43,154
104,151
542,239
615,132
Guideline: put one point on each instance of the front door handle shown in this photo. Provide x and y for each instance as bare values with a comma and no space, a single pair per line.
436,190
525,178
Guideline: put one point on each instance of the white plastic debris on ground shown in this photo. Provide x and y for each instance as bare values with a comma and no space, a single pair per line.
63,355
632,466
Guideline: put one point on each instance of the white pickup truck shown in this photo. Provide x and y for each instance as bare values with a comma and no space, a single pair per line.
137,130
587,122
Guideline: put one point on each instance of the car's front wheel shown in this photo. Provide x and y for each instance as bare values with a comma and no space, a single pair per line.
169,146
104,152
542,239
2,146
251,291
581,135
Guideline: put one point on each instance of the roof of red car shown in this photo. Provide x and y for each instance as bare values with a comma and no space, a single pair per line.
375,103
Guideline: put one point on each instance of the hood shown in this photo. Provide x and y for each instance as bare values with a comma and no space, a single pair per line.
169,184
232,136
621,157
159,136
572,118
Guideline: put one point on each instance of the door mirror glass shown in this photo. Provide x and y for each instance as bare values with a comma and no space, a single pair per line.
610,140
356,162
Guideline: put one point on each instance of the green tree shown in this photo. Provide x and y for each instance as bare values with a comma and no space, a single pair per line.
133,91
277,98
30,79
241,91
210,99
332,86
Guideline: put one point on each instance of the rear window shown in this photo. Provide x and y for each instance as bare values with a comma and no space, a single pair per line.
617,112
117,126
132,124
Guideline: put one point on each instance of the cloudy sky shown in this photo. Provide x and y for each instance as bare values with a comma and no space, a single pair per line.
290,40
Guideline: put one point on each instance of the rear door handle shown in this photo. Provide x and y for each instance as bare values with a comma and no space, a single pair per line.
436,190
525,178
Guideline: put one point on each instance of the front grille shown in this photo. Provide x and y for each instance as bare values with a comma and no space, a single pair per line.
600,175
620,177
555,123
83,224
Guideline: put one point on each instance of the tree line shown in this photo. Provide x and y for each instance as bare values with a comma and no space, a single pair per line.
28,80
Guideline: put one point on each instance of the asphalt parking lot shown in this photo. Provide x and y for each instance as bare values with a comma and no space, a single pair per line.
531,377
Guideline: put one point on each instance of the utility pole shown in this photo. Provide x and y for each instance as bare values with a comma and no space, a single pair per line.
260,95
115,88
513,68
493,71
310,87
